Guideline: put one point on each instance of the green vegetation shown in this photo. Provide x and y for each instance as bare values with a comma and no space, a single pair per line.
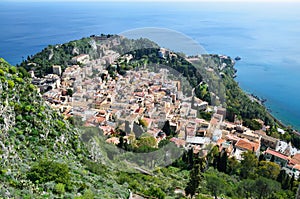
196,177
47,171
205,115
263,180
42,155
60,54
252,124
45,156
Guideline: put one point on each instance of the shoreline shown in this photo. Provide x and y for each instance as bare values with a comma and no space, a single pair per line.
262,101
253,97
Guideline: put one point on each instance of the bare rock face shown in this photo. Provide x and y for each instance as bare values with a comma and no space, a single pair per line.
51,54
75,51
93,44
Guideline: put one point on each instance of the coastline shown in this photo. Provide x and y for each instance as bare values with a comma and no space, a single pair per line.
262,101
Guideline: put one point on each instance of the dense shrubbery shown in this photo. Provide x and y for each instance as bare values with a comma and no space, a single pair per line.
49,170
43,61
250,178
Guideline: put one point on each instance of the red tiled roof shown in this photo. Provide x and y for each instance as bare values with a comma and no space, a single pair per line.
100,119
297,166
246,144
214,121
220,141
295,159
178,142
277,154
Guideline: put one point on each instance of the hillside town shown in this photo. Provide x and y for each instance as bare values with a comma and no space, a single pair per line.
142,101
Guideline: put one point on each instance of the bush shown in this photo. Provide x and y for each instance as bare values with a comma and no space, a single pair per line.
19,80
10,83
13,70
60,188
88,194
252,124
31,87
47,170
156,192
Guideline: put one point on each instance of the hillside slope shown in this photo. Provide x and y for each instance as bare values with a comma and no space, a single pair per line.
42,155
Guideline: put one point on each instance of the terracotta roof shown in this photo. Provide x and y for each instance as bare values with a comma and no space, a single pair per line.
295,159
178,142
102,112
113,140
220,141
140,94
214,121
100,119
297,166
277,154
246,144
106,129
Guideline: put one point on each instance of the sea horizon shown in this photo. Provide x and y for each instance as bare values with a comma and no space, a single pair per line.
265,37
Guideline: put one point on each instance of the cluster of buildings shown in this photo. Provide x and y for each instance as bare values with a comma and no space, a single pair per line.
142,101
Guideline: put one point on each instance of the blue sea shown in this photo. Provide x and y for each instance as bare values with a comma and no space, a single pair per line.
265,35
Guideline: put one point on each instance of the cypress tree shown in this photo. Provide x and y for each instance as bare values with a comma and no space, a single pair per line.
167,128
286,183
218,161
190,157
262,158
223,162
292,182
184,158
281,177
195,177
